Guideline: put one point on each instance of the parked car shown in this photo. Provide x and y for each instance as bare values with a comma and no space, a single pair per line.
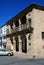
5,52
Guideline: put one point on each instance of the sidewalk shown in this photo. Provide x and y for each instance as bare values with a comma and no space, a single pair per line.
22,55
25,55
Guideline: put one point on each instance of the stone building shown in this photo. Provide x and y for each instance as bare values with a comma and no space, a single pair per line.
25,31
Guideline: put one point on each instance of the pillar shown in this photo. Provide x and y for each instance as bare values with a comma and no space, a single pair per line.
8,29
14,27
20,25
8,46
20,44
14,44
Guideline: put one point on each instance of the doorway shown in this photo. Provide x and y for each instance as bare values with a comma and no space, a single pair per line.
24,44
17,44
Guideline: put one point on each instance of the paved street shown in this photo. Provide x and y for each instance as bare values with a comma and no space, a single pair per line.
20,60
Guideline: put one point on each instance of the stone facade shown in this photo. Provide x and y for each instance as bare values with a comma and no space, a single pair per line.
24,32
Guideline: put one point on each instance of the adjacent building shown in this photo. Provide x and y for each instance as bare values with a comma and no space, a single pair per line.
2,38
25,31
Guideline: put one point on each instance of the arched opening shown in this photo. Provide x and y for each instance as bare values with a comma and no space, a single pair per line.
24,44
30,23
17,23
17,44
11,43
23,20
11,24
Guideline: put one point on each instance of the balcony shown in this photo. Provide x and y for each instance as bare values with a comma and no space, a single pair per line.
19,29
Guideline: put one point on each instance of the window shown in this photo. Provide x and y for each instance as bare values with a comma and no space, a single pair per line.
0,31
29,22
42,35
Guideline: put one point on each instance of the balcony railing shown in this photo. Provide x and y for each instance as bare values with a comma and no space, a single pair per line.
24,26
19,28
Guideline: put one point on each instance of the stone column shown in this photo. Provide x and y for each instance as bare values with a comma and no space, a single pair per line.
27,21
14,44
20,25
8,46
20,44
14,27
8,29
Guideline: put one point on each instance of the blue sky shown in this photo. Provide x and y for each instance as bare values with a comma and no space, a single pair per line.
10,8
